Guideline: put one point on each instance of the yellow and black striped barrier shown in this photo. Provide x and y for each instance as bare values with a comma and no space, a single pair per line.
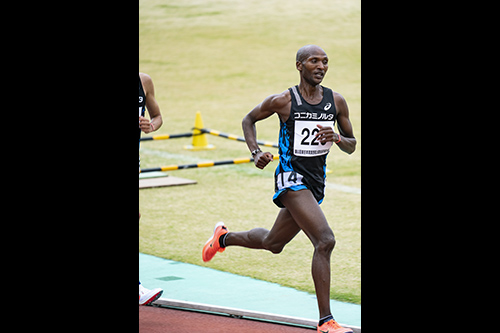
168,136
207,131
201,165
235,137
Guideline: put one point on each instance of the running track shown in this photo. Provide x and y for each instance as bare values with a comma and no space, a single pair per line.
156,320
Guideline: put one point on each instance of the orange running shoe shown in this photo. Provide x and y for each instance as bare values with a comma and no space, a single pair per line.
333,327
212,245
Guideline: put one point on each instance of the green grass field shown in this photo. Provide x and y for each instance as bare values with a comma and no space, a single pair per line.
222,58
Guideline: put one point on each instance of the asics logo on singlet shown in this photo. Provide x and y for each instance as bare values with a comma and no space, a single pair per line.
328,106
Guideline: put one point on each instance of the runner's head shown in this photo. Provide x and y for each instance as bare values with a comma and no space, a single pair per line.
312,63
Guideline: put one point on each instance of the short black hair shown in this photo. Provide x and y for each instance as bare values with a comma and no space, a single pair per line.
305,52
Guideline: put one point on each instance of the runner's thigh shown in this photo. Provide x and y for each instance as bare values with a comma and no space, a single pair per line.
308,215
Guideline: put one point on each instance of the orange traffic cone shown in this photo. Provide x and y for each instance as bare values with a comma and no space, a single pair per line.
200,141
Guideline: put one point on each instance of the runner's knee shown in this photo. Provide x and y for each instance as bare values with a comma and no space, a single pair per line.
326,244
273,247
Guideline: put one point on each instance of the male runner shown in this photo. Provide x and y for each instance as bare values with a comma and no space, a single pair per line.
147,100
307,114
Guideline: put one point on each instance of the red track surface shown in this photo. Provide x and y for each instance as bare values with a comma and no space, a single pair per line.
156,320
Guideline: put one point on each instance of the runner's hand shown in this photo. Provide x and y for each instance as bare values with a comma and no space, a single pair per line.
145,125
326,134
262,159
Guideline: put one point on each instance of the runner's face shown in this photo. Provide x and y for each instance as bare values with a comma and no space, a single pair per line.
315,67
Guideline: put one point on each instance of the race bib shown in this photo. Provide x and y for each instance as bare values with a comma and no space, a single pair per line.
288,179
305,143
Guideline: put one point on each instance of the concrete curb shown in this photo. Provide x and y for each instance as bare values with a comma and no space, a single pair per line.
239,313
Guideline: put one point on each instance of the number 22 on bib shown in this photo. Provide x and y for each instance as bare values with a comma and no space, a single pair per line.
305,143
